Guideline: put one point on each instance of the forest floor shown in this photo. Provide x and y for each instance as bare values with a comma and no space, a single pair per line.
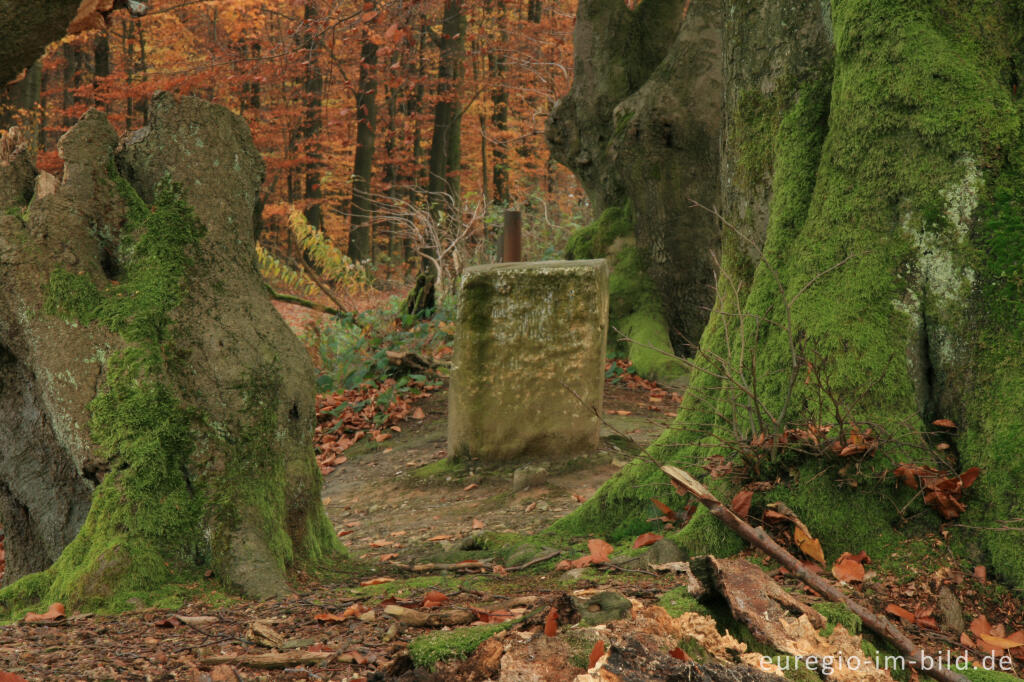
410,519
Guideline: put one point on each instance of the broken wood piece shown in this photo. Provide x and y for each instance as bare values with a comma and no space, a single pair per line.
270,661
471,565
687,484
262,633
432,619
411,362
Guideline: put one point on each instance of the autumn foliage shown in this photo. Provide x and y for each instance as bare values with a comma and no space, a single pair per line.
322,83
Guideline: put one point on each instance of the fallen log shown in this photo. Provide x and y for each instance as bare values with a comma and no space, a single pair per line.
687,484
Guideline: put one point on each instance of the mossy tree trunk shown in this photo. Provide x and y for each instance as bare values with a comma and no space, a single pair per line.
873,170
161,411
641,124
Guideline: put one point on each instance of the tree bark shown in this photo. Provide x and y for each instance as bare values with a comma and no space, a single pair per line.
641,126
157,413
27,28
871,170
361,206
312,112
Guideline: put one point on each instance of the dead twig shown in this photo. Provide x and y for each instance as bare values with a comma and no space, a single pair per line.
686,484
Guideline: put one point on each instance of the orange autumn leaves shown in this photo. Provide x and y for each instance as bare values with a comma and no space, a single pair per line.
599,553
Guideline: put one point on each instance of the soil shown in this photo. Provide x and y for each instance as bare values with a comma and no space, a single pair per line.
393,497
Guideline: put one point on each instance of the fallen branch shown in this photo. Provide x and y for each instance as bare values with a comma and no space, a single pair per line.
319,283
544,557
473,565
295,300
686,484
270,661
431,619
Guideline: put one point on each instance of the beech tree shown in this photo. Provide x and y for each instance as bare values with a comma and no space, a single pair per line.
871,201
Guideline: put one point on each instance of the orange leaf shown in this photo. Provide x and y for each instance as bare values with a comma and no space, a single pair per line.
808,545
551,623
680,654
389,556
376,581
1000,642
599,550
968,477
434,598
356,657
980,626
944,423
439,538
966,640
664,508
848,571
980,573
740,504
477,524
470,487
418,413
596,653
646,539
902,613
55,612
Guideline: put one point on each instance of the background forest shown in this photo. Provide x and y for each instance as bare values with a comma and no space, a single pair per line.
358,108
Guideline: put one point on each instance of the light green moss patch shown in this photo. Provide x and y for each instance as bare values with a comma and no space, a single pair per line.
427,651
679,601
838,614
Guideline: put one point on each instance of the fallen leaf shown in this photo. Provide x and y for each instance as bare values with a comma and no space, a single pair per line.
680,654
664,508
439,538
389,556
376,581
646,539
551,623
980,573
740,504
530,507
808,545
418,413
477,524
900,612
579,498
470,487
54,613
848,571
944,423
596,653
599,550
966,640
1001,642
343,533
434,598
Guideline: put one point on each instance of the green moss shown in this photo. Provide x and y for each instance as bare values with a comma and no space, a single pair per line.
838,614
442,468
427,651
981,675
679,601
634,310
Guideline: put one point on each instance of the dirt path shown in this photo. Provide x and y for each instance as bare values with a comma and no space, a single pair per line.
389,499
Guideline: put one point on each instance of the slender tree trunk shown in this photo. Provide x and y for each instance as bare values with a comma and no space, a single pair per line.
496,62
361,206
312,112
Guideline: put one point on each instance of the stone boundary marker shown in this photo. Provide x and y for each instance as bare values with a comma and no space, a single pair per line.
528,369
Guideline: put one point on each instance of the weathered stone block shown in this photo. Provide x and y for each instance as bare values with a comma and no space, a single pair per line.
528,370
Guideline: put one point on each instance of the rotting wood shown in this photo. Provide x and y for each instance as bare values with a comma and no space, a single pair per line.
687,484
432,619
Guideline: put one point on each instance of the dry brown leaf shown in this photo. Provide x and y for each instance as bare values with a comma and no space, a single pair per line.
680,654
901,613
439,538
596,653
54,613
470,487
808,545
740,504
646,539
980,626
551,623
477,524
945,423
599,550
848,571
376,581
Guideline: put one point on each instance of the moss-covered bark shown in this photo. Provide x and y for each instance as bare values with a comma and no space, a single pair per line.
171,386
887,291
641,124
637,323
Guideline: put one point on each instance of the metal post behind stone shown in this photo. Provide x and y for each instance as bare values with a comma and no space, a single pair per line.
512,237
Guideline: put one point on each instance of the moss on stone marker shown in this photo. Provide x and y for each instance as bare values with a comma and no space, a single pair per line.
528,371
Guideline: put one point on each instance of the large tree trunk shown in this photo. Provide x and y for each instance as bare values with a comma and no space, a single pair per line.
872,170
632,138
360,235
156,412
